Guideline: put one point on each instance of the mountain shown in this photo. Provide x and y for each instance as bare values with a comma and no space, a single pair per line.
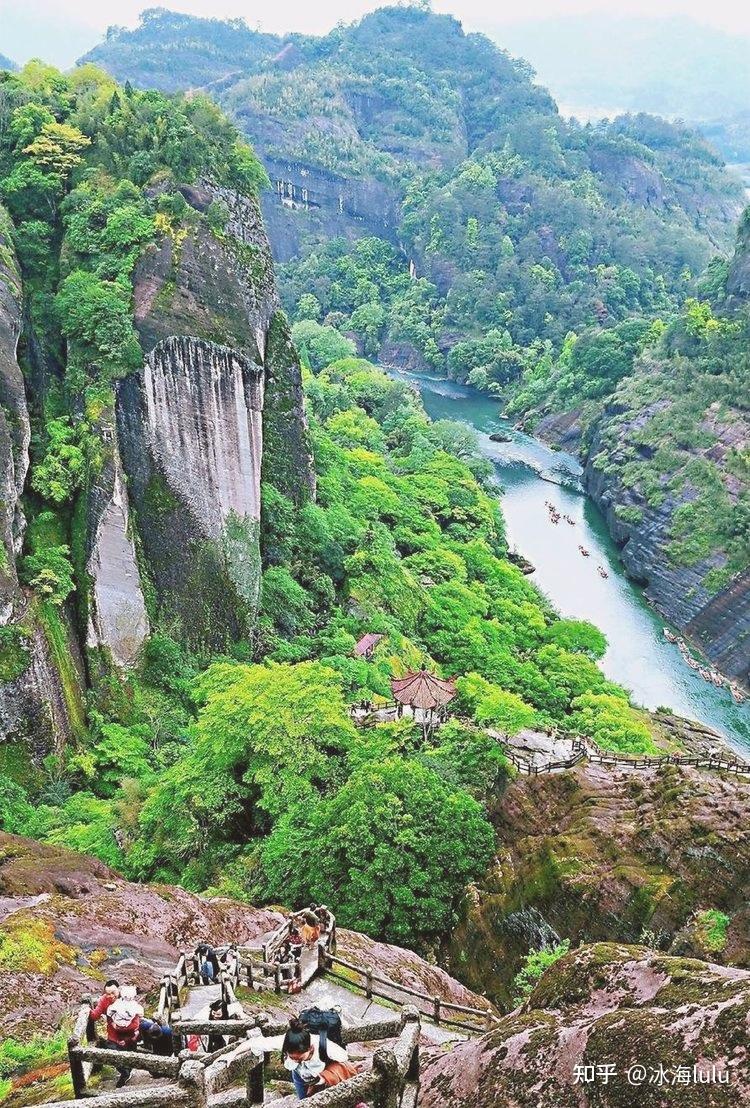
496,222
7,63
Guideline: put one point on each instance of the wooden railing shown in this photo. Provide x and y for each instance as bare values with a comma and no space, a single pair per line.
436,1009
587,749
197,1080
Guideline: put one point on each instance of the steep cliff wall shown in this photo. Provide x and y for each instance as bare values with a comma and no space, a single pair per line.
598,854
308,203
644,517
114,606
14,425
217,403
39,696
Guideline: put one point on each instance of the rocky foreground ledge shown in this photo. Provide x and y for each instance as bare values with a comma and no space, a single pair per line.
609,1025
67,922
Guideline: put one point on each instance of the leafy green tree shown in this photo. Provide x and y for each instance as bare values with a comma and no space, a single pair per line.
395,842
308,307
62,469
495,707
50,572
58,148
319,345
578,636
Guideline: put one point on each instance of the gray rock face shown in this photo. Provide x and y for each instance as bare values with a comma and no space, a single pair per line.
14,427
203,409
116,612
217,403
190,431
719,623
34,711
309,201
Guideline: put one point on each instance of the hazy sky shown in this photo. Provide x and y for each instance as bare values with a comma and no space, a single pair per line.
60,30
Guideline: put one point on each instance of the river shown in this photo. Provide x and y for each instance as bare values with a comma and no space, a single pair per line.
530,473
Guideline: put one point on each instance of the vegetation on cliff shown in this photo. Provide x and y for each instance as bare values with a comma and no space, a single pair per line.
522,226
238,778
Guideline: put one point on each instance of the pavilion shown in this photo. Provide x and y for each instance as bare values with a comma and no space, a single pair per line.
424,694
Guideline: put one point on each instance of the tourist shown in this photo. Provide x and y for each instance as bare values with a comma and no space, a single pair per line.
157,1037
310,929
294,939
217,1010
124,1015
208,963
313,1065
326,919
287,961
110,994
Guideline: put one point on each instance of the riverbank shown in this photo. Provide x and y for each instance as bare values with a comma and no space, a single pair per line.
531,473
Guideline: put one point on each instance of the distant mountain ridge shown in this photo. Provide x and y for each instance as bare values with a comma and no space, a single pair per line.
599,64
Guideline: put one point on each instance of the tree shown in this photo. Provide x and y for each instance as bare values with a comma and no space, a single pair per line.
308,307
578,636
395,844
61,471
58,149
267,737
319,346
494,707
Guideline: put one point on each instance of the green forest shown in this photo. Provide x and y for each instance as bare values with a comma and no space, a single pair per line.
538,279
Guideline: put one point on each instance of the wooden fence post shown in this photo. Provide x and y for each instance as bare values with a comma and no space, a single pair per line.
277,978
76,1068
436,1009
384,1063
255,1083
368,983
192,1079
410,1014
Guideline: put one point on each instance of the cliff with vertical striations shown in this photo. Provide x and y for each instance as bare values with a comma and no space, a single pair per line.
217,404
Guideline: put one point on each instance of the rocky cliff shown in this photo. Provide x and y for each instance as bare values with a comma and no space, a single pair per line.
166,530
217,405
15,432
598,853
36,708
665,502
608,1025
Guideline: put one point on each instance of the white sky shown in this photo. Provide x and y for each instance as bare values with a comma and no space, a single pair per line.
60,30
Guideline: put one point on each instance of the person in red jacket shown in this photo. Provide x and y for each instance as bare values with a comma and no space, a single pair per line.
111,993
123,1015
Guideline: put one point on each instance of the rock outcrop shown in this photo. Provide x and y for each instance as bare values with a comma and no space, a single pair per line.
91,923
217,405
717,620
15,430
608,1025
599,853
35,705
116,617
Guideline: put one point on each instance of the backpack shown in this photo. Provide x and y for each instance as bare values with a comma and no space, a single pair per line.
326,1024
123,1013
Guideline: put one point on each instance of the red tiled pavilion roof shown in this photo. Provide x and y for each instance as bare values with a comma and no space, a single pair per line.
423,690
366,643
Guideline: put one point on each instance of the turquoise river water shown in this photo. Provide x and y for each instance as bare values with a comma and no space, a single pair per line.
530,473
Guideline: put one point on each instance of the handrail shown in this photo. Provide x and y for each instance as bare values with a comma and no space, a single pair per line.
588,749
436,1002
